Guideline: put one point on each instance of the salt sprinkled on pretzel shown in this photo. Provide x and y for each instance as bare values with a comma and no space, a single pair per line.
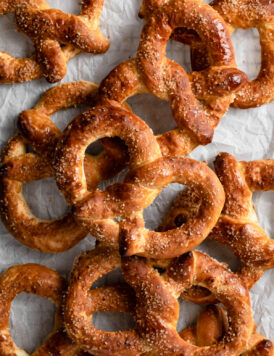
243,14
237,226
48,29
19,168
158,309
44,282
81,303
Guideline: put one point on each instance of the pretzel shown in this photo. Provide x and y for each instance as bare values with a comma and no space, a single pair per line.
44,282
237,226
158,310
49,29
97,210
211,326
240,14
43,135
81,303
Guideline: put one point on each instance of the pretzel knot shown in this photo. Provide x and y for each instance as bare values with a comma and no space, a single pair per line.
98,211
237,226
81,303
49,29
243,14
158,310
41,281
211,326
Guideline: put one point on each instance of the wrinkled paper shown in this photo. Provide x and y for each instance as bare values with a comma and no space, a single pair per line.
247,134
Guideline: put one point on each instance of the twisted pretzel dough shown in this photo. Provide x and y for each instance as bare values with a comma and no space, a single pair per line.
237,226
238,14
48,29
41,281
211,326
158,310
19,168
82,303
97,211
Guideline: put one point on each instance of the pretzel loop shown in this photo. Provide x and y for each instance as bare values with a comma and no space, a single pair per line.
237,226
48,29
128,200
82,303
41,281
158,310
19,168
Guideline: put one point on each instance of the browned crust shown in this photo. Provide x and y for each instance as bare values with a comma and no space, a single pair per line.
41,281
158,310
48,29
82,303
237,227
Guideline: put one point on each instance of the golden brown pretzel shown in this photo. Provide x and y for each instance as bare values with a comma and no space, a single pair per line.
243,14
221,78
81,303
93,124
43,135
128,200
48,29
158,310
211,326
41,281
237,226
17,169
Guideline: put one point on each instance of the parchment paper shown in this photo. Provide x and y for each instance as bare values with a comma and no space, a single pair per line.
248,134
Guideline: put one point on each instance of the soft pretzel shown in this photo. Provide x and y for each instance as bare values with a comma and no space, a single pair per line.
240,14
97,211
93,124
158,310
237,226
211,326
41,281
81,303
43,135
17,169
49,29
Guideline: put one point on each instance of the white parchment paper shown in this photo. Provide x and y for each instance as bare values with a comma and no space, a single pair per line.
247,134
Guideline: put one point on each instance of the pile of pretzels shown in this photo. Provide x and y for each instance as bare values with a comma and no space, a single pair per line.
158,267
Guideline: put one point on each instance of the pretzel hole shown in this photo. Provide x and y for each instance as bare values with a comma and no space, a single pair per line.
113,321
44,199
31,321
154,111
71,7
63,117
264,206
250,64
180,53
13,38
113,277
95,148
155,213
221,253
189,313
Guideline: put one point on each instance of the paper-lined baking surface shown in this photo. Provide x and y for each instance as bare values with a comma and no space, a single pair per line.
247,134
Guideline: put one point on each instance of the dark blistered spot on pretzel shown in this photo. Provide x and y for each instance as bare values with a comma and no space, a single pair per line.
157,307
237,227
212,325
128,200
50,29
17,169
81,303
41,281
